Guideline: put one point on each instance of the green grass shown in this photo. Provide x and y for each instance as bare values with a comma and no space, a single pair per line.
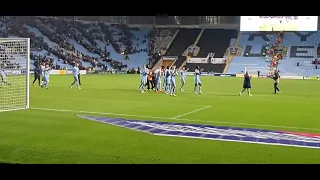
38,136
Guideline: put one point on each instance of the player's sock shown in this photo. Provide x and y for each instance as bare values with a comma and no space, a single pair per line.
181,87
140,86
143,87
241,91
173,90
195,88
71,84
200,89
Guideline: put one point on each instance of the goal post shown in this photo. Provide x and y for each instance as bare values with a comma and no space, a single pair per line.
264,71
14,74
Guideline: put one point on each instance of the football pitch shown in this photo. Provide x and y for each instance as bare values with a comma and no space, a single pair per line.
51,131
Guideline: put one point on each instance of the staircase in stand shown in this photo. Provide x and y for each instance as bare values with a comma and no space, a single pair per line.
230,57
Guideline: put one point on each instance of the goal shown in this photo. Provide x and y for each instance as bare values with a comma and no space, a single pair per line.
264,71
14,73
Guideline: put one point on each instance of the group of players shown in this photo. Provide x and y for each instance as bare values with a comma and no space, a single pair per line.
43,71
168,76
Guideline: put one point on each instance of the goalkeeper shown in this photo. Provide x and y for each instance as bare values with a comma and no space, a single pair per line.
3,78
37,74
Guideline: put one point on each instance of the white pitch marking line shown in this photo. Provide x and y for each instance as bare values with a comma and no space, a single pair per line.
92,112
178,119
191,112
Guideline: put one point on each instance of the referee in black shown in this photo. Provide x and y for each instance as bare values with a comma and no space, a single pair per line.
276,78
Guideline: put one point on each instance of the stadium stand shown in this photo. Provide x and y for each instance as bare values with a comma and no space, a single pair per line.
302,54
160,42
208,67
299,56
181,43
164,37
63,42
253,46
215,41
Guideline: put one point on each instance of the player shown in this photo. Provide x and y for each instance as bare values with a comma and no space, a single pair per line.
246,84
37,74
75,72
164,78
141,82
79,78
3,78
167,80
46,75
173,73
150,84
276,78
42,66
158,73
143,78
144,71
197,81
154,80
183,77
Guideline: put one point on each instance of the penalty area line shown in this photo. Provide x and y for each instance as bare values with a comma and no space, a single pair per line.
177,119
191,112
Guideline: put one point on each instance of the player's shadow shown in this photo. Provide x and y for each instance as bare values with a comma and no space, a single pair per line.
227,95
123,90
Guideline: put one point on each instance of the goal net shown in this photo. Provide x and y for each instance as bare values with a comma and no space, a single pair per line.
14,73
264,71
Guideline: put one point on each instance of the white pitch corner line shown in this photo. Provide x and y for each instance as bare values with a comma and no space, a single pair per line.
177,119
191,112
